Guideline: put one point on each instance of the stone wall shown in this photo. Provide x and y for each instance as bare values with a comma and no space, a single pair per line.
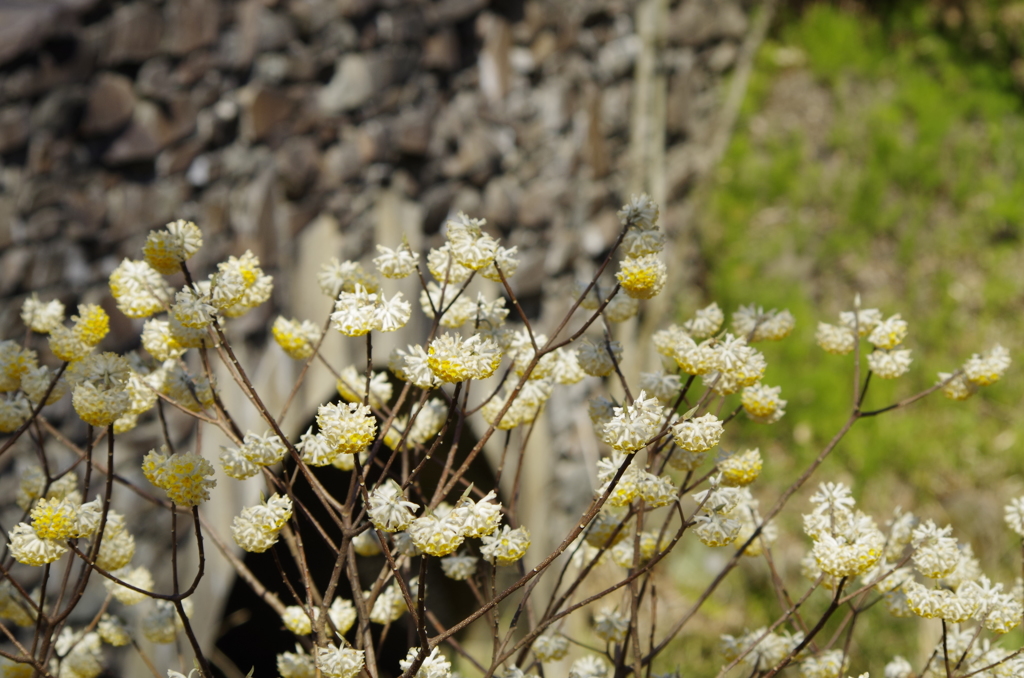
302,129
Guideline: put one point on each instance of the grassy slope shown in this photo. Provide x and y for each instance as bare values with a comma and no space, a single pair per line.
886,164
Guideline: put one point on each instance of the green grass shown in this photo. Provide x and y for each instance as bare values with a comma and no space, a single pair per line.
907,190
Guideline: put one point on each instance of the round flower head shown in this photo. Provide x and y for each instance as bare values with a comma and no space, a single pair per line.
162,623
459,567
343,662
863,321
436,535
1014,515
13,607
453,359
590,666
113,631
504,260
91,324
185,477
366,544
192,392
456,309
621,308
470,246
661,385
55,519
389,511
256,529
640,213
315,448
354,312
139,289
159,342
352,387
444,267
638,243
633,425
705,322
118,545
66,345
827,664
611,626
716,530
434,666
763,404
988,369
15,409
81,654
956,386
411,364
936,554
505,547
550,647
236,465
296,338
740,469
297,621
342,614
239,285
598,359
165,250
899,668
42,317
15,362
29,549
296,664
99,395
139,577
396,263
890,364
642,277
755,324
336,277
762,650
479,518
390,604
391,314
264,450
851,553
889,333
193,308
349,427
835,339
624,555
698,435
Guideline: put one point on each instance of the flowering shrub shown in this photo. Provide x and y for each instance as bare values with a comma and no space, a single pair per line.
660,489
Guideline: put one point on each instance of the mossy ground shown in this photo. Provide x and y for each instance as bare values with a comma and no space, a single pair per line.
874,157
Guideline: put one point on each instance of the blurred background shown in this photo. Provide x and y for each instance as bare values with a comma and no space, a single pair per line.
802,152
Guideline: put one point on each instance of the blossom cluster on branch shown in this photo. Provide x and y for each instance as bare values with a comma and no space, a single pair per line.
660,486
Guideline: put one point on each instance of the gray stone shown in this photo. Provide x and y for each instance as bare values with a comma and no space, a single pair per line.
151,130
342,162
14,126
191,24
696,22
352,85
133,34
446,12
616,58
109,106
264,110
276,30
722,56
412,130
441,51
24,26
298,165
